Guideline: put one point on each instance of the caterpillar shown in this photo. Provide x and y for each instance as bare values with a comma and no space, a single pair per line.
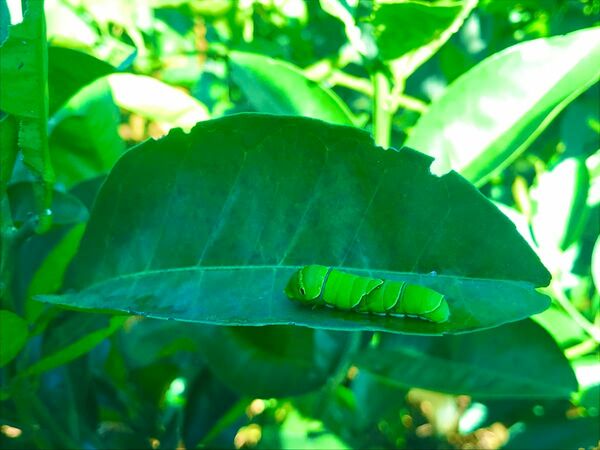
321,285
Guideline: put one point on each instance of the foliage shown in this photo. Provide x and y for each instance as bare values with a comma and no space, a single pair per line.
167,165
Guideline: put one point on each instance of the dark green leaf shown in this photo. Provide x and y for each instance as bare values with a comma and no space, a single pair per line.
66,208
572,434
209,226
515,360
273,361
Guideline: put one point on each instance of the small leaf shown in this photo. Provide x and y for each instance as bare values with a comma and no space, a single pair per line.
277,87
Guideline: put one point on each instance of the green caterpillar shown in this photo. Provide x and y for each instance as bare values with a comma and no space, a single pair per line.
321,285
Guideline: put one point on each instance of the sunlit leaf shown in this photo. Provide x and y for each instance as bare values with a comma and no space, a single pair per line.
491,114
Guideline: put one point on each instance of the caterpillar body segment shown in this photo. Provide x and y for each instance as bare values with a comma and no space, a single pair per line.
321,285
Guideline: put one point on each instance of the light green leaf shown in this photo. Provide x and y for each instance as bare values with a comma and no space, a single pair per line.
84,139
13,335
561,211
277,87
155,100
491,114
75,337
209,226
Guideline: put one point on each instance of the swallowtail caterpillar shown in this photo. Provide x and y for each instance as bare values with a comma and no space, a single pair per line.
321,285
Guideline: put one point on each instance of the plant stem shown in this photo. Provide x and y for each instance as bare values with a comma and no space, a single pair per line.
382,113
565,303
583,348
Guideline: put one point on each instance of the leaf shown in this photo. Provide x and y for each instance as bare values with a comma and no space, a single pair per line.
64,81
76,336
8,144
491,114
387,31
156,100
556,433
394,27
23,93
277,87
48,277
4,21
525,362
13,335
85,141
209,226
299,432
561,212
273,361
66,209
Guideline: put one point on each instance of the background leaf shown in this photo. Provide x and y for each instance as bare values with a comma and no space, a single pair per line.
491,114
464,364
13,334
277,87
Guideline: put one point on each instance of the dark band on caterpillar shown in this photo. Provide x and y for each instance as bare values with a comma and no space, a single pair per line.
322,285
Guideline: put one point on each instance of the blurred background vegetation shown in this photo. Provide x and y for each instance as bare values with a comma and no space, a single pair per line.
120,72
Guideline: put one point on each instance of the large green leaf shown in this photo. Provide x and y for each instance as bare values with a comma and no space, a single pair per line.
277,87
209,226
515,360
488,116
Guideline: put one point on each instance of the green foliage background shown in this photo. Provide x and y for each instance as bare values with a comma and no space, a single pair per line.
166,165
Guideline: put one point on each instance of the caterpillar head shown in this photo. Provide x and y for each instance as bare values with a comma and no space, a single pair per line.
306,284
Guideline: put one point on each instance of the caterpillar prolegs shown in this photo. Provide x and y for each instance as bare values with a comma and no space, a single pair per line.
321,285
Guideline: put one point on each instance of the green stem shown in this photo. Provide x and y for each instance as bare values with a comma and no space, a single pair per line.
382,113
579,318
226,420
581,349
